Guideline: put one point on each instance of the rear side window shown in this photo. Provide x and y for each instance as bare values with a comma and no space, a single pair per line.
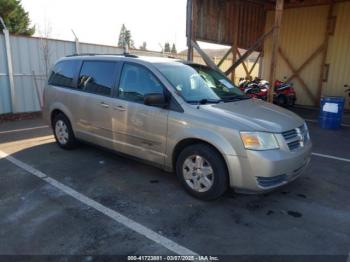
97,77
63,73
137,81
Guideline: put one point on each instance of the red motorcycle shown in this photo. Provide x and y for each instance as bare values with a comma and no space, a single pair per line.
284,93
254,88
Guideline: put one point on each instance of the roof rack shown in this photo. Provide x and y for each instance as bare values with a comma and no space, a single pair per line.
94,54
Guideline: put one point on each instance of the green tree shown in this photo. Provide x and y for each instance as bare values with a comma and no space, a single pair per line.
144,46
173,49
167,48
15,17
125,37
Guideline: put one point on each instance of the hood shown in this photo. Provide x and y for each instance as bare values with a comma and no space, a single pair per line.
257,115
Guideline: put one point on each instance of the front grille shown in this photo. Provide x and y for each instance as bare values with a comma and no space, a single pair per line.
271,181
291,134
296,138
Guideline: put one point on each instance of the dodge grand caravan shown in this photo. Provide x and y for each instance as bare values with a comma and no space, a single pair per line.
180,116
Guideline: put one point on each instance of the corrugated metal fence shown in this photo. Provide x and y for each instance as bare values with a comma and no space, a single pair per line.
32,59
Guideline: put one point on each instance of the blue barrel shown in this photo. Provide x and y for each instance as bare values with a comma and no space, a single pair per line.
331,113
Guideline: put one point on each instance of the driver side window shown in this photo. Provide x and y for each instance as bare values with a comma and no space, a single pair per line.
136,81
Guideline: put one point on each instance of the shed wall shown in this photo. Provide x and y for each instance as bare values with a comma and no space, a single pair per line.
339,53
302,32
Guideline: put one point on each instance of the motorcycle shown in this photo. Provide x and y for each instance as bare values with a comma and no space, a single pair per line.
284,93
255,88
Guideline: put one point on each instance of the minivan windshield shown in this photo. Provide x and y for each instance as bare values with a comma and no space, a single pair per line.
200,84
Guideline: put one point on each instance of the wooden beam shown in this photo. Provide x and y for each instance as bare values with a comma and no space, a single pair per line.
250,50
189,29
275,45
256,61
302,82
243,63
205,57
307,61
225,56
303,3
325,51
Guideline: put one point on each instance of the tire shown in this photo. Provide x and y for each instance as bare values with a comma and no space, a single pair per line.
190,172
291,101
63,132
281,100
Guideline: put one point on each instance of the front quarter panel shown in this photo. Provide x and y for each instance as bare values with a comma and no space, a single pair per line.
182,126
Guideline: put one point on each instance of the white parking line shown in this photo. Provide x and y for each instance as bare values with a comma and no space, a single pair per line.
23,129
316,121
127,222
331,157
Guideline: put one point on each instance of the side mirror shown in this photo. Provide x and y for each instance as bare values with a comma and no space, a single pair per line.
155,99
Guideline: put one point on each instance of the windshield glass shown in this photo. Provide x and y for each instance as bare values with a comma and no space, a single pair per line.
199,84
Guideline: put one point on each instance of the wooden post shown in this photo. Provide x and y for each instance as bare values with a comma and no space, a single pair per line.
189,29
324,68
234,58
275,45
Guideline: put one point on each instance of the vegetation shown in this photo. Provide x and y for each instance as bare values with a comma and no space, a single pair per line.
125,38
144,46
15,17
167,48
173,49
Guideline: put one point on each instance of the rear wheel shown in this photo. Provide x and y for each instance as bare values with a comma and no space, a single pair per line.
281,100
202,171
63,132
291,101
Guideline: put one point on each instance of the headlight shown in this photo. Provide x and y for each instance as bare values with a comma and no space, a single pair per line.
259,140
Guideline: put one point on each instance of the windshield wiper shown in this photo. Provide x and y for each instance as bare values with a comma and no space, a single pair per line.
235,98
205,101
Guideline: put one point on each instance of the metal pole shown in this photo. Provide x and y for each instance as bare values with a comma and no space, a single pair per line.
77,44
9,66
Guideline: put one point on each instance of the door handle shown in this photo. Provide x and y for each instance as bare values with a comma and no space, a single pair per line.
119,108
103,104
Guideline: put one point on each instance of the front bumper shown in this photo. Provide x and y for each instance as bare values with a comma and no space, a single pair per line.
262,171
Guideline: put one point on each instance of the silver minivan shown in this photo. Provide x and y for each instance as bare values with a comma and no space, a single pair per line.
180,116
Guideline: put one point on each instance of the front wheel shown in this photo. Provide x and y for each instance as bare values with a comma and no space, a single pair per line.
63,132
202,171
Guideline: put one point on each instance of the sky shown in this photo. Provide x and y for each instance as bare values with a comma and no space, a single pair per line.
99,21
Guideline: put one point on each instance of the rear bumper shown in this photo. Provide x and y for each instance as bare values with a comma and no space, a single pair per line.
263,171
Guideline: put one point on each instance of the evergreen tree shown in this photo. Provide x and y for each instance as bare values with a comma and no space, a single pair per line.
173,49
167,48
144,46
125,37
15,17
